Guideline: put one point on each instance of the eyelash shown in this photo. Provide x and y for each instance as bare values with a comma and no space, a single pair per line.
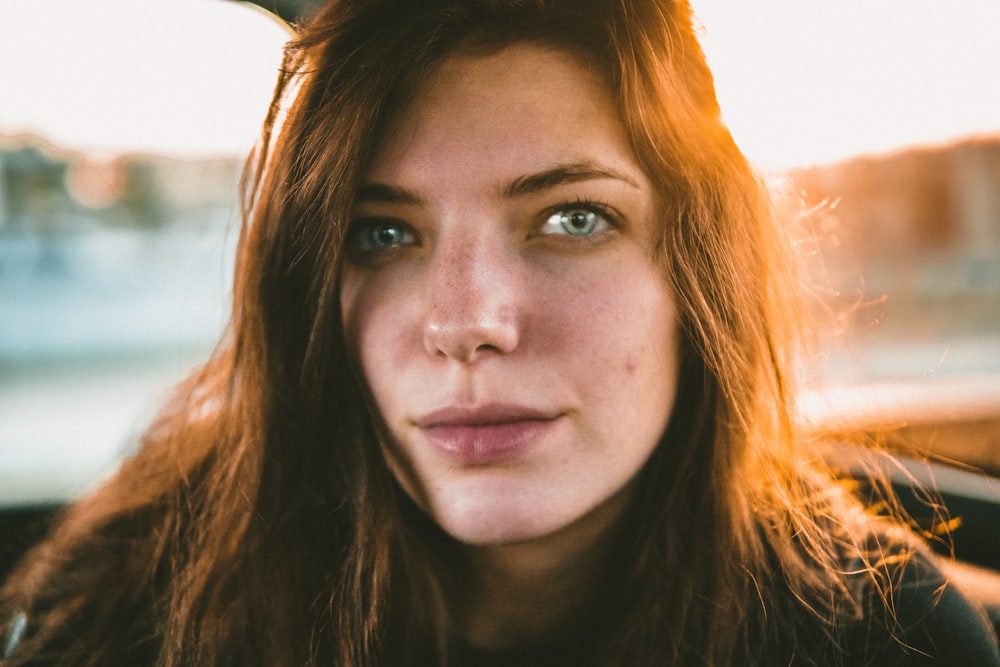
360,235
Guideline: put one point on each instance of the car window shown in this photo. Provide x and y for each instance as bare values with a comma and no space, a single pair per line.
879,127
122,134
124,125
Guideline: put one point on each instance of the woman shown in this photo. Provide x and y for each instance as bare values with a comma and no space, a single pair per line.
505,384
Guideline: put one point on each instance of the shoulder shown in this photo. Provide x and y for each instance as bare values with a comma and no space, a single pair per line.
913,614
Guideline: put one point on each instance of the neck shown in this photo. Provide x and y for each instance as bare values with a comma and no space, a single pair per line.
523,593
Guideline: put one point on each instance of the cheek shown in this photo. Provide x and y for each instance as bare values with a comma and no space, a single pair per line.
374,318
374,315
627,314
367,298
618,335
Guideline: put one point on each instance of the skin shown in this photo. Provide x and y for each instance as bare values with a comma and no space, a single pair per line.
466,290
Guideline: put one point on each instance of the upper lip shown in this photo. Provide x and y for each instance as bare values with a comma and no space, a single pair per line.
484,415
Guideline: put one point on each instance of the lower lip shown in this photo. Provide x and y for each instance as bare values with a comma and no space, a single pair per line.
488,444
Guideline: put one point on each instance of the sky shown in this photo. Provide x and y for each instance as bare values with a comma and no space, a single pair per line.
800,81
184,78
814,81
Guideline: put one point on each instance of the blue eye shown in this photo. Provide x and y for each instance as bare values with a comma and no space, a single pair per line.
378,235
575,221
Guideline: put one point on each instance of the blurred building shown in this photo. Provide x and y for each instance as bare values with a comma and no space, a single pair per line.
911,245
101,258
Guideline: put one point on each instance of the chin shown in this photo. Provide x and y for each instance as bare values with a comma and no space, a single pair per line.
475,522
499,534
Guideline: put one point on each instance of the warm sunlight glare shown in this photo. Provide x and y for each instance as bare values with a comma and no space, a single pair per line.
800,81
183,78
804,82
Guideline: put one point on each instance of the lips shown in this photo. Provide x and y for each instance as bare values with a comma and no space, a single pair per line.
485,435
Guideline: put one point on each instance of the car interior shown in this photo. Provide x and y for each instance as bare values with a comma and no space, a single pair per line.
910,382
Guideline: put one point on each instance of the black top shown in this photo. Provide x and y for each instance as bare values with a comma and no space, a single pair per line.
928,621
934,624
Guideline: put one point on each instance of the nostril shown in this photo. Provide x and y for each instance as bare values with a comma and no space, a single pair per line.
469,338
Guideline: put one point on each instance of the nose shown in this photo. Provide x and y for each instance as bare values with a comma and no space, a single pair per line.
472,308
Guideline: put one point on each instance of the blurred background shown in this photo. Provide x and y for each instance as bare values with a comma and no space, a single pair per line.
124,124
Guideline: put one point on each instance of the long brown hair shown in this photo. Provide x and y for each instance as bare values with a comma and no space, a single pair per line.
258,523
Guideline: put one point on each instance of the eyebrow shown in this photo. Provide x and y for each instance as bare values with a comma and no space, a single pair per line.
562,174
382,193
572,172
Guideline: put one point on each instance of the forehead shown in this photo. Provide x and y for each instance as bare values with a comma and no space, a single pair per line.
510,107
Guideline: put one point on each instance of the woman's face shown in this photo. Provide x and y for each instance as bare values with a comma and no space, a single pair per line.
501,301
